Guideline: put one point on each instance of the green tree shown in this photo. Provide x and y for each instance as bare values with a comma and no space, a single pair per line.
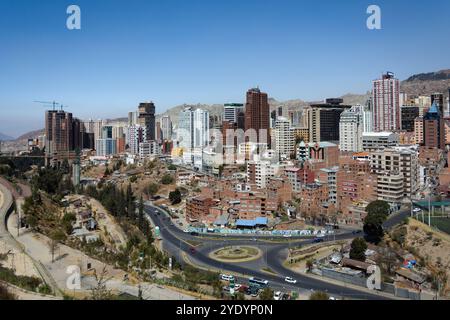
175,196
377,213
131,206
373,227
172,167
378,207
319,295
358,249
309,264
67,221
141,214
167,179
266,294
152,189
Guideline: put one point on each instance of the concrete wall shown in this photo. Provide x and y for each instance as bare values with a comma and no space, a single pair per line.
343,277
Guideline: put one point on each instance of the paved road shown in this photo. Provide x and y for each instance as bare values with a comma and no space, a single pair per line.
176,242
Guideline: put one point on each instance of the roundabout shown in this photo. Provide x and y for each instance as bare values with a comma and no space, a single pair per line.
236,254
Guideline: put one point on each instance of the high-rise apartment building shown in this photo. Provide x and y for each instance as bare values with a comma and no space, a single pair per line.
257,115
351,128
62,132
418,130
284,138
193,128
386,103
402,161
166,127
147,119
136,135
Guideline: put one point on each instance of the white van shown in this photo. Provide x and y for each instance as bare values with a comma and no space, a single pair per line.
226,277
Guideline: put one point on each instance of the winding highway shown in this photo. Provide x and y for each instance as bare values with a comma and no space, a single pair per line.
177,243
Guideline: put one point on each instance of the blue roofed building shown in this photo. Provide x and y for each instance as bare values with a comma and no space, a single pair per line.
255,223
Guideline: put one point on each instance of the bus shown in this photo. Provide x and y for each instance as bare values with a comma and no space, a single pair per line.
260,283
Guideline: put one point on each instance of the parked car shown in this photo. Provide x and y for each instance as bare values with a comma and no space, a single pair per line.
290,280
277,295
243,288
193,233
226,277
317,240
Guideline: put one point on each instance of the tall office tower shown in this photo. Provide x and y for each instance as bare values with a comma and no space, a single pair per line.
447,112
78,134
193,128
367,120
136,135
118,131
323,120
58,131
105,147
257,114
147,119
166,127
433,128
351,128
273,118
408,116
438,98
158,132
241,120
133,118
107,132
386,103
295,117
231,112
98,127
284,138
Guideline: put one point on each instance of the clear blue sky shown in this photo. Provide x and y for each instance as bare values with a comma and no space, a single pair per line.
208,51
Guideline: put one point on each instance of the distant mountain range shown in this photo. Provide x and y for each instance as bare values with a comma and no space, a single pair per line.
4,137
427,83
423,83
